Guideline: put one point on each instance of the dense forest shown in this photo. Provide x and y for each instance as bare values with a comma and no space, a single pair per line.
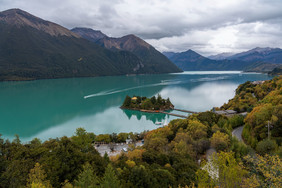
172,156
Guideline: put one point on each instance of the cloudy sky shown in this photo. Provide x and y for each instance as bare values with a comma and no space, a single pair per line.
206,26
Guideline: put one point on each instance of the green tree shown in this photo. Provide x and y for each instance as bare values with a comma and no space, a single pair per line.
153,100
127,101
110,179
142,177
197,130
159,99
103,138
146,104
121,137
266,146
87,178
83,139
220,141
236,121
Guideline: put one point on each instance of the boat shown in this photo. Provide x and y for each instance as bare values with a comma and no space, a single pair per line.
158,123
165,123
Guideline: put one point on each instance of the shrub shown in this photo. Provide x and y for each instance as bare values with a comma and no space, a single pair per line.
266,146
236,121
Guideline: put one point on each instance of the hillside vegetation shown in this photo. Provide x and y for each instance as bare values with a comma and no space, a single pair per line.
264,102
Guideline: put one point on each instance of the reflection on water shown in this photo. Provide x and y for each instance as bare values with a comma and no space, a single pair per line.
201,98
154,117
53,108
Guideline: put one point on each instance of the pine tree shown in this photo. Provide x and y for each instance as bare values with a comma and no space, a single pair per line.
87,178
110,179
127,101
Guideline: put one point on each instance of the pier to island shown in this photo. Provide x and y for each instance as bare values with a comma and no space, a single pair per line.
179,115
153,105
188,111
172,114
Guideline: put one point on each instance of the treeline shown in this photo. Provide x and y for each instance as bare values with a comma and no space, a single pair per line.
144,103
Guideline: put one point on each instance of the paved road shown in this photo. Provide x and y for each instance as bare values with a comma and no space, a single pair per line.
209,153
238,133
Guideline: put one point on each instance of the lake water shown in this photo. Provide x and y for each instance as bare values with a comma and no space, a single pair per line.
54,108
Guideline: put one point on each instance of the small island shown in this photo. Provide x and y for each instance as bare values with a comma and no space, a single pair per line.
144,104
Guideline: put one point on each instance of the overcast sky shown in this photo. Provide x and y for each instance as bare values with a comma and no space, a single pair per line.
205,26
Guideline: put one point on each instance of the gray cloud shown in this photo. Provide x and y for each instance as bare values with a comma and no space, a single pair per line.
205,26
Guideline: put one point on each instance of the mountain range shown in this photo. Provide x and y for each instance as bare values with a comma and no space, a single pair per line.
257,59
154,60
192,61
267,55
32,48
221,56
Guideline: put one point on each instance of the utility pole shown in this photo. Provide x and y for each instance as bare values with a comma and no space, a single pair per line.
268,131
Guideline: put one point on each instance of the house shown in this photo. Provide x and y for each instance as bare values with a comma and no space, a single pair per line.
225,112
230,111
128,141
257,82
134,98
220,112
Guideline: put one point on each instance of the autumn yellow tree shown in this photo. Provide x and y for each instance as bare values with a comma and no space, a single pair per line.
37,178
265,171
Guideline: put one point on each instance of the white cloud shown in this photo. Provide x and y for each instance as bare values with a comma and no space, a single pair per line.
171,25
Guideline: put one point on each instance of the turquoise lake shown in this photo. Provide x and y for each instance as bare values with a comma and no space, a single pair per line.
54,108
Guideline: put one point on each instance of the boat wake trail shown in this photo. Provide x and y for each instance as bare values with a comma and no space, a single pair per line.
206,79
113,91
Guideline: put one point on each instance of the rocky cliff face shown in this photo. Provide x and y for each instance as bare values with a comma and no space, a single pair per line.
21,18
89,34
128,43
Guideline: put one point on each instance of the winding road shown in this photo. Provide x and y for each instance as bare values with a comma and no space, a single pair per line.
237,132
213,172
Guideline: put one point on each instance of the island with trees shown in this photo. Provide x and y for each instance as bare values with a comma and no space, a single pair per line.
153,104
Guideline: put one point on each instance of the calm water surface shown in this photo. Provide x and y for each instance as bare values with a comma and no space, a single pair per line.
54,108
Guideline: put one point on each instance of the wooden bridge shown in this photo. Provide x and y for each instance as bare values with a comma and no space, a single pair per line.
188,111
179,115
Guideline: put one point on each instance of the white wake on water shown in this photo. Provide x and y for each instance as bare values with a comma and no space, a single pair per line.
113,91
